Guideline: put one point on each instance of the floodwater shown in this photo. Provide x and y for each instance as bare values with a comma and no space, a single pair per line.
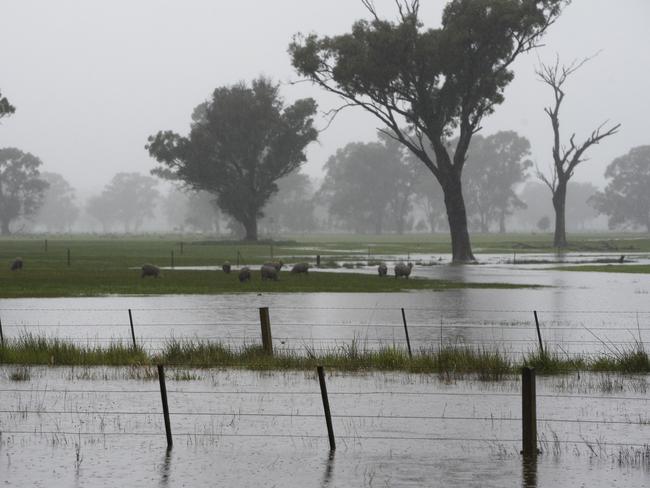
96,427
104,427
579,313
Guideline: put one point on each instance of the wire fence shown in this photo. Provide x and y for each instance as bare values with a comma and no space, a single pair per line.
308,329
359,416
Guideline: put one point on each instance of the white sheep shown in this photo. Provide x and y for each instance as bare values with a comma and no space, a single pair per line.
402,269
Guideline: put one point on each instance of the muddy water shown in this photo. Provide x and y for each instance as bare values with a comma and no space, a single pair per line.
95,427
580,313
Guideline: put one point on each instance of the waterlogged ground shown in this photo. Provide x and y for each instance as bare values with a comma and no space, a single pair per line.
101,427
580,313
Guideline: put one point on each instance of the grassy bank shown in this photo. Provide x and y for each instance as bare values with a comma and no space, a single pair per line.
449,361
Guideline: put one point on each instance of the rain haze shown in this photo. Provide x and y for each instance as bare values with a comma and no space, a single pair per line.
206,277
92,80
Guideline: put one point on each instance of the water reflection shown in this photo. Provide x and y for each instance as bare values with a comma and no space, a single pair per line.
529,471
165,467
329,467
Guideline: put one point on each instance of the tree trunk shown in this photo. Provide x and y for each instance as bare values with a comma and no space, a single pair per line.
5,228
461,247
502,223
559,204
250,225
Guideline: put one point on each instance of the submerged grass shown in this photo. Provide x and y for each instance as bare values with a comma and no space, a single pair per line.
451,362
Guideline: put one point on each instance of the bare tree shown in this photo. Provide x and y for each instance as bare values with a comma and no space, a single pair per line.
565,159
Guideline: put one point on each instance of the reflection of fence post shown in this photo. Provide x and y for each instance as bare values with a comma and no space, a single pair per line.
132,331
265,323
528,412
406,331
163,394
326,407
539,334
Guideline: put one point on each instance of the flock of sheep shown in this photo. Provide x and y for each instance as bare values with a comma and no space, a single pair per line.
271,270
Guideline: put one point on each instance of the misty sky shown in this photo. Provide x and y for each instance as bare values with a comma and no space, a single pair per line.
91,80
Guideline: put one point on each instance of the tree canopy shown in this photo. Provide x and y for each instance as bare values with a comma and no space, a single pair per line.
5,107
434,81
495,165
369,186
128,198
21,187
240,143
626,199
59,210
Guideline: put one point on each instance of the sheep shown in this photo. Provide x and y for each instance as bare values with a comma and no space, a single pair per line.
150,270
300,268
382,269
275,264
226,267
402,269
17,264
269,272
244,274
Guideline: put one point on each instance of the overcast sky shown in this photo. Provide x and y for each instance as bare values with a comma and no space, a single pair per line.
91,80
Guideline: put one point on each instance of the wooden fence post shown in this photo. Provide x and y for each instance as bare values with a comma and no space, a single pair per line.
318,261
163,394
172,259
132,331
45,245
265,323
406,331
68,256
326,407
528,412
181,248
2,337
539,334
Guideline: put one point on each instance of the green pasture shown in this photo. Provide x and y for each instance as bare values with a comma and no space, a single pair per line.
112,266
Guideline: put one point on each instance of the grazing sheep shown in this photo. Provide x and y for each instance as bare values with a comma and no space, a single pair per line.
402,269
276,264
269,272
244,274
150,270
382,269
226,267
17,264
300,268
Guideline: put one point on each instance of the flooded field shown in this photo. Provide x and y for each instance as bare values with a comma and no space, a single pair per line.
100,427
580,313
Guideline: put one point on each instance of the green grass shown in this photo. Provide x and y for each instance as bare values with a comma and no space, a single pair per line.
111,266
450,362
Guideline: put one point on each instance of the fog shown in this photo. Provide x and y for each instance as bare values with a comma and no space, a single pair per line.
92,80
